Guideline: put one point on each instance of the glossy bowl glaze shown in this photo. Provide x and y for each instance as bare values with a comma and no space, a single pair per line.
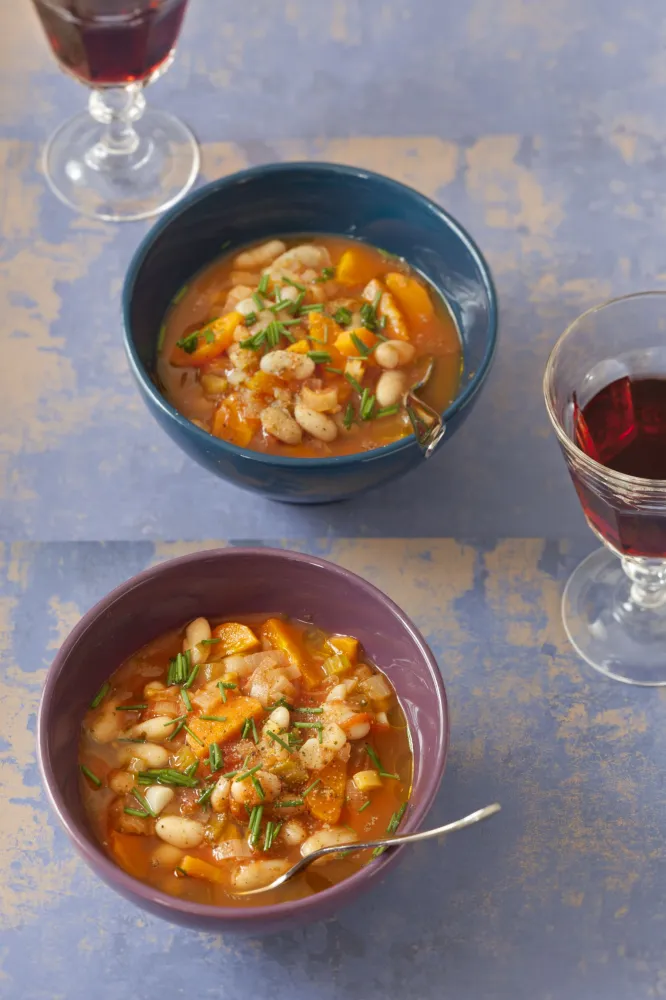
292,198
228,582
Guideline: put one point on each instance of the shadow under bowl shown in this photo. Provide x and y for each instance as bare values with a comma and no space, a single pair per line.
290,199
231,582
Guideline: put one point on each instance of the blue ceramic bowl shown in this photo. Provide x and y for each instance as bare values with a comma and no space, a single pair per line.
277,200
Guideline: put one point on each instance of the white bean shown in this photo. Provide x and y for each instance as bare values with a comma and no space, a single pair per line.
317,424
404,349
179,831
166,856
246,307
106,727
327,838
358,730
152,688
260,256
386,356
158,797
315,755
287,363
390,388
151,754
157,728
276,421
288,294
196,632
293,832
338,693
220,796
301,257
258,873
244,791
333,737
236,295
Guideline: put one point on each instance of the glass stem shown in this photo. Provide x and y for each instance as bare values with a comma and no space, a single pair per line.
648,581
117,108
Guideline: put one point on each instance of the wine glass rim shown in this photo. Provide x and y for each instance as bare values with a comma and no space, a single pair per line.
619,479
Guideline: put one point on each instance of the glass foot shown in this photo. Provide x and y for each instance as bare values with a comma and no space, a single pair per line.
122,186
615,635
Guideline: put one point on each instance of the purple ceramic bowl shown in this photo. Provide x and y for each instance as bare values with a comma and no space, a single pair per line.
230,582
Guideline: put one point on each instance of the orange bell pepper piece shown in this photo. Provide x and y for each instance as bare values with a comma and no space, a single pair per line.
281,636
411,296
208,343
230,424
198,868
356,266
326,800
235,711
300,347
346,346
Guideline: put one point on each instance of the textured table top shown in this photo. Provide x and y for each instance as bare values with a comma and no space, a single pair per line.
540,126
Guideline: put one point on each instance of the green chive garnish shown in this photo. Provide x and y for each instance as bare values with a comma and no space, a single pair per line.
364,806
186,699
294,284
326,274
288,804
353,383
210,642
262,287
166,776
194,736
319,357
89,774
249,320
308,725
179,718
276,739
181,724
334,371
318,308
310,787
362,348
189,343
257,787
367,405
141,813
131,708
307,708
248,774
258,301
348,418
343,316
214,757
143,802
193,673
387,411
101,695
205,795
213,718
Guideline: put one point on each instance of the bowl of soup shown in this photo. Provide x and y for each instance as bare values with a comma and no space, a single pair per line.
220,716
275,319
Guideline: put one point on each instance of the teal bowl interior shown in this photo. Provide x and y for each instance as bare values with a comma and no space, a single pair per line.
294,198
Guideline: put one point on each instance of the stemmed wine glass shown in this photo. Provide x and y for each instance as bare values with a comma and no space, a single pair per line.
605,391
118,161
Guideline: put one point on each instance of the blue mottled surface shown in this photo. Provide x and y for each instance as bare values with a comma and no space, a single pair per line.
541,126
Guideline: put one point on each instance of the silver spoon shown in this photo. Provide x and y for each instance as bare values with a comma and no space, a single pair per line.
407,838
427,424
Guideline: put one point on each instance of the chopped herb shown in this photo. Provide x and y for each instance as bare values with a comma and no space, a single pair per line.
288,804
143,802
230,774
141,813
290,322
179,668
364,806
282,701
343,316
189,343
262,287
214,757
353,383
387,411
194,736
179,295
274,331
191,770
375,302
248,774
257,787
161,336
131,708
276,739
310,787
213,718
209,642
227,684
254,342
313,711
190,680
255,825
89,774
166,776
396,818
249,320
186,699
246,728
319,357
181,723
268,836
367,405
180,872
178,719
308,725
381,324
223,689
320,734
318,308
295,307
255,734
258,301
101,695
334,371
209,336
326,274
362,348
204,798
348,418
294,284
378,764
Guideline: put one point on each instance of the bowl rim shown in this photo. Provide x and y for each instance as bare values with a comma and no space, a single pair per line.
130,887
319,167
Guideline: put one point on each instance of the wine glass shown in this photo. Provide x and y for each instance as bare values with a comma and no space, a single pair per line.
605,392
118,161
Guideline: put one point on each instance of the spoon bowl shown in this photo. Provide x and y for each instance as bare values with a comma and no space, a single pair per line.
427,423
407,838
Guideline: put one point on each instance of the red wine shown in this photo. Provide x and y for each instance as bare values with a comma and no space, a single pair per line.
111,42
624,428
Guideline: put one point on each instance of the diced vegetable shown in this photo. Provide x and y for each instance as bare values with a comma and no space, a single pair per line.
235,638
345,644
300,346
212,341
197,868
367,781
129,855
263,383
325,801
231,424
281,636
236,711
183,757
376,687
357,266
291,772
337,665
396,328
213,385
344,343
411,296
